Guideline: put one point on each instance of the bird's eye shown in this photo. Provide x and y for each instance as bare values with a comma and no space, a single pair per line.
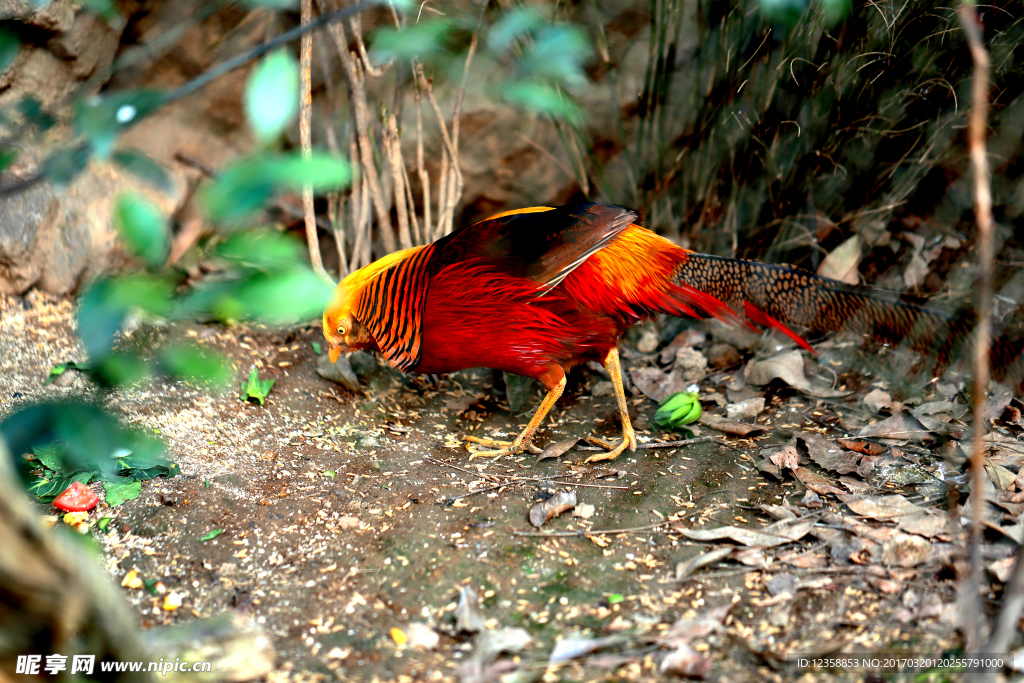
341,330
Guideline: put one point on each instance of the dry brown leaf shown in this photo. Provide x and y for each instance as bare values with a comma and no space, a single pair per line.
751,557
906,550
1002,569
786,458
802,559
1002,478
827,455
881,507
877,399
902,426
687,662
729,426
929,524
686,569
552,507
841,263
789,367
556,450
685,630
768,538
468,616
884,585
865,447
655,384
815,482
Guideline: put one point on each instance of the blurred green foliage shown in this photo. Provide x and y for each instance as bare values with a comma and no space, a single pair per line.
261,275
272,96
539,65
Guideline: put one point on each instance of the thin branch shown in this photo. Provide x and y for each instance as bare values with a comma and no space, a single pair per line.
306,139
976,128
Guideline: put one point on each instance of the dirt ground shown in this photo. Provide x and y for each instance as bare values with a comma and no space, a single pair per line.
352,522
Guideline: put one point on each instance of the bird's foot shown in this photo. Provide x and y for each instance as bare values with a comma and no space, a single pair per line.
501,448
613,450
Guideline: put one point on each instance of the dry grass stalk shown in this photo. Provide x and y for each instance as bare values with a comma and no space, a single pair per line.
355,76
393,150
976,128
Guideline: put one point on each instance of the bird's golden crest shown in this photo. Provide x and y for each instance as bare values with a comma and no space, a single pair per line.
341,329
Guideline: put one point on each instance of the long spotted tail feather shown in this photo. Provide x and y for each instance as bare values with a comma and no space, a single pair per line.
778,296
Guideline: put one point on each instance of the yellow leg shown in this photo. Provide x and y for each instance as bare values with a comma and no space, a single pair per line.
611,364
522,442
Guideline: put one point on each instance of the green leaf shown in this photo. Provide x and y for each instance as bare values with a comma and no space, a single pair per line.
284,297
420,40
103,524
32,110
256,388
187,362
614,598
145,462
120,493
101,118
60,368
120,368
10,46
785,13
91,442
271,98
150,586
316,348
46,488
512,25
106,303
142,166
835,10
7,157
52,457
330,473
261,249
211,535
542,98
143,228
246,186
558,52
64,165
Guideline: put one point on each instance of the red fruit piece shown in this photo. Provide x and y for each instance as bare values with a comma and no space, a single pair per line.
77,497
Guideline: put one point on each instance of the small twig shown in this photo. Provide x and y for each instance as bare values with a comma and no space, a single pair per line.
583,534
658,444
462,469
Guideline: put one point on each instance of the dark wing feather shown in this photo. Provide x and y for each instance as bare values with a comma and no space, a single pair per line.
541,246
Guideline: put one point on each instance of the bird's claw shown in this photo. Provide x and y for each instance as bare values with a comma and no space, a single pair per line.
501,448
613,450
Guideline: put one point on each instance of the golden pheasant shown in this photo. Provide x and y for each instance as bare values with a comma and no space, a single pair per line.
536,291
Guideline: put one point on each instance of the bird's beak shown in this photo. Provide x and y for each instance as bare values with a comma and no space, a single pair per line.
333,352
